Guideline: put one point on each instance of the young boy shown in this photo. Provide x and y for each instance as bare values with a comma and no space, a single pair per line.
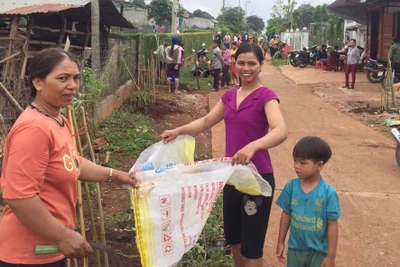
310,207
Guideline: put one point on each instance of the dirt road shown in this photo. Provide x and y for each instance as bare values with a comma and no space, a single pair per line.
363,170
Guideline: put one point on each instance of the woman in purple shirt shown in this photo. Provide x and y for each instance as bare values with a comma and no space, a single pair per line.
254,124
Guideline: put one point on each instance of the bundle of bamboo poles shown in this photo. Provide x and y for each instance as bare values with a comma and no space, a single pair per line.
388,99
77,140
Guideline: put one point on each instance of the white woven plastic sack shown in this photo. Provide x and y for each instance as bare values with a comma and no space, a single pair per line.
175,198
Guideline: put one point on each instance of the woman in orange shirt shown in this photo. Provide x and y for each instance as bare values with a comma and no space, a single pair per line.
40,168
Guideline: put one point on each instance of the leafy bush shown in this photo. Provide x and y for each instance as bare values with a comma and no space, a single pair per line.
128,133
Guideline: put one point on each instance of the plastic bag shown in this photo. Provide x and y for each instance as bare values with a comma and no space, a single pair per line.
175,197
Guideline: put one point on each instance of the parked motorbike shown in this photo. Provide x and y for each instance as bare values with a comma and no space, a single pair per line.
396,135
375,70
307,57
396,77
293,59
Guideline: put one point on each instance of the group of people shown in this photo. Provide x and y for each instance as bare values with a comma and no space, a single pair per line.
310,206
351,58
170,59
39,173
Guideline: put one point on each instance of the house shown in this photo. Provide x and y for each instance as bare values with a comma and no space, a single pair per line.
133,12
199,23
29,26
382,18
355,30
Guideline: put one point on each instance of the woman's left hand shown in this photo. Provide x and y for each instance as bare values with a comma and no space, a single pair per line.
244,155
124,178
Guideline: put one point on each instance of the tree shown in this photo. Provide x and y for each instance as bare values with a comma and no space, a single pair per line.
95,13
160,11
289,10
202,14
233,18
279,20
303,16
255,23
140,2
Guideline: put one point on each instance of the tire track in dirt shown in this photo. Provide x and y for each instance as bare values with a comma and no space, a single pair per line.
363,170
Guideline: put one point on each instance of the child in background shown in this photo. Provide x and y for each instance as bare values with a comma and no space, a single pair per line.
310,208
226,55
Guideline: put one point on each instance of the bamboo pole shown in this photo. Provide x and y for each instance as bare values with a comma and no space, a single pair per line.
99,204
80,206
87,190
134,81
10,98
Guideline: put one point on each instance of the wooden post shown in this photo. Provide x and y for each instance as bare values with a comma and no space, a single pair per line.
13,33
10,98
87,34
25,49
62,30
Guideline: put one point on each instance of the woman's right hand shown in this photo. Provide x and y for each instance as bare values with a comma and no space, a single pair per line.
73,245
169,135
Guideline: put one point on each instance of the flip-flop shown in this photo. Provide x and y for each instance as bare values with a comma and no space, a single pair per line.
178,92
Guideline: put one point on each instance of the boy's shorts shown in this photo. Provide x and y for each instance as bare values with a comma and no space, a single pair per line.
301,258
246,219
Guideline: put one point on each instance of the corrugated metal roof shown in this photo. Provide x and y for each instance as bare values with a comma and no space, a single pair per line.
109,15
39,9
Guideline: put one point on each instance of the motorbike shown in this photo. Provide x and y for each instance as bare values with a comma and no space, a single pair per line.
396,76
375,70
292,58
307,57
396,135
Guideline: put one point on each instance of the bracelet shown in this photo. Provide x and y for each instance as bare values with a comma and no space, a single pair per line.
111,174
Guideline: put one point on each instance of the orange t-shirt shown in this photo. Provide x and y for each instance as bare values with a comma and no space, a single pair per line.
40,159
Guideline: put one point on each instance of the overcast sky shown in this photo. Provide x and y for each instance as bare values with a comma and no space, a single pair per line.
261,8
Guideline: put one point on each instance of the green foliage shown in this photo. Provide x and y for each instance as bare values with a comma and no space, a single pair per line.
140,2
160,11
128,133
210,249
122,220
224,29
303,16
188,79
233,18
255,23
202,14
277,62
193,31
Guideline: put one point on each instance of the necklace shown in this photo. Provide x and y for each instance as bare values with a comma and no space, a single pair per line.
57,120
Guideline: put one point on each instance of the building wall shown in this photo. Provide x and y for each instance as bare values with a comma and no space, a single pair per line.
199,23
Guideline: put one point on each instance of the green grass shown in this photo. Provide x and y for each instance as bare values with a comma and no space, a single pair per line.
279,62
188,79
128,133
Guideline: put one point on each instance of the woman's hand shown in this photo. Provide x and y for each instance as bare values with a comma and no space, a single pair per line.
124,178
176,67
169,135
244,155
73,245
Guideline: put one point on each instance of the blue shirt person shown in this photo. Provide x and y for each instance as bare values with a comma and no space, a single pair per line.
310,207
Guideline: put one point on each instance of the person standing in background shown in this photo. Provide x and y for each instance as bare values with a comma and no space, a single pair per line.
217,62
161,53
353,58
226,54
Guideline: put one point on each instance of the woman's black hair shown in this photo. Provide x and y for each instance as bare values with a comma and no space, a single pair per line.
250,47
312,148
171,52
353,40
44,62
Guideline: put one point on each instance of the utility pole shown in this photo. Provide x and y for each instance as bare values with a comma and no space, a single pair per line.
239,6
223,11
245,14
174,23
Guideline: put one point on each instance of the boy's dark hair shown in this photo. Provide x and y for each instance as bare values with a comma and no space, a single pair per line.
313,148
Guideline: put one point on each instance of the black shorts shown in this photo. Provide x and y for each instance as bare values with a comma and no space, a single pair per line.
61,263
246,219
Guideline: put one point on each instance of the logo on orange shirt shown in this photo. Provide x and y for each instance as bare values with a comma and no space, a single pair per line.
71,161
